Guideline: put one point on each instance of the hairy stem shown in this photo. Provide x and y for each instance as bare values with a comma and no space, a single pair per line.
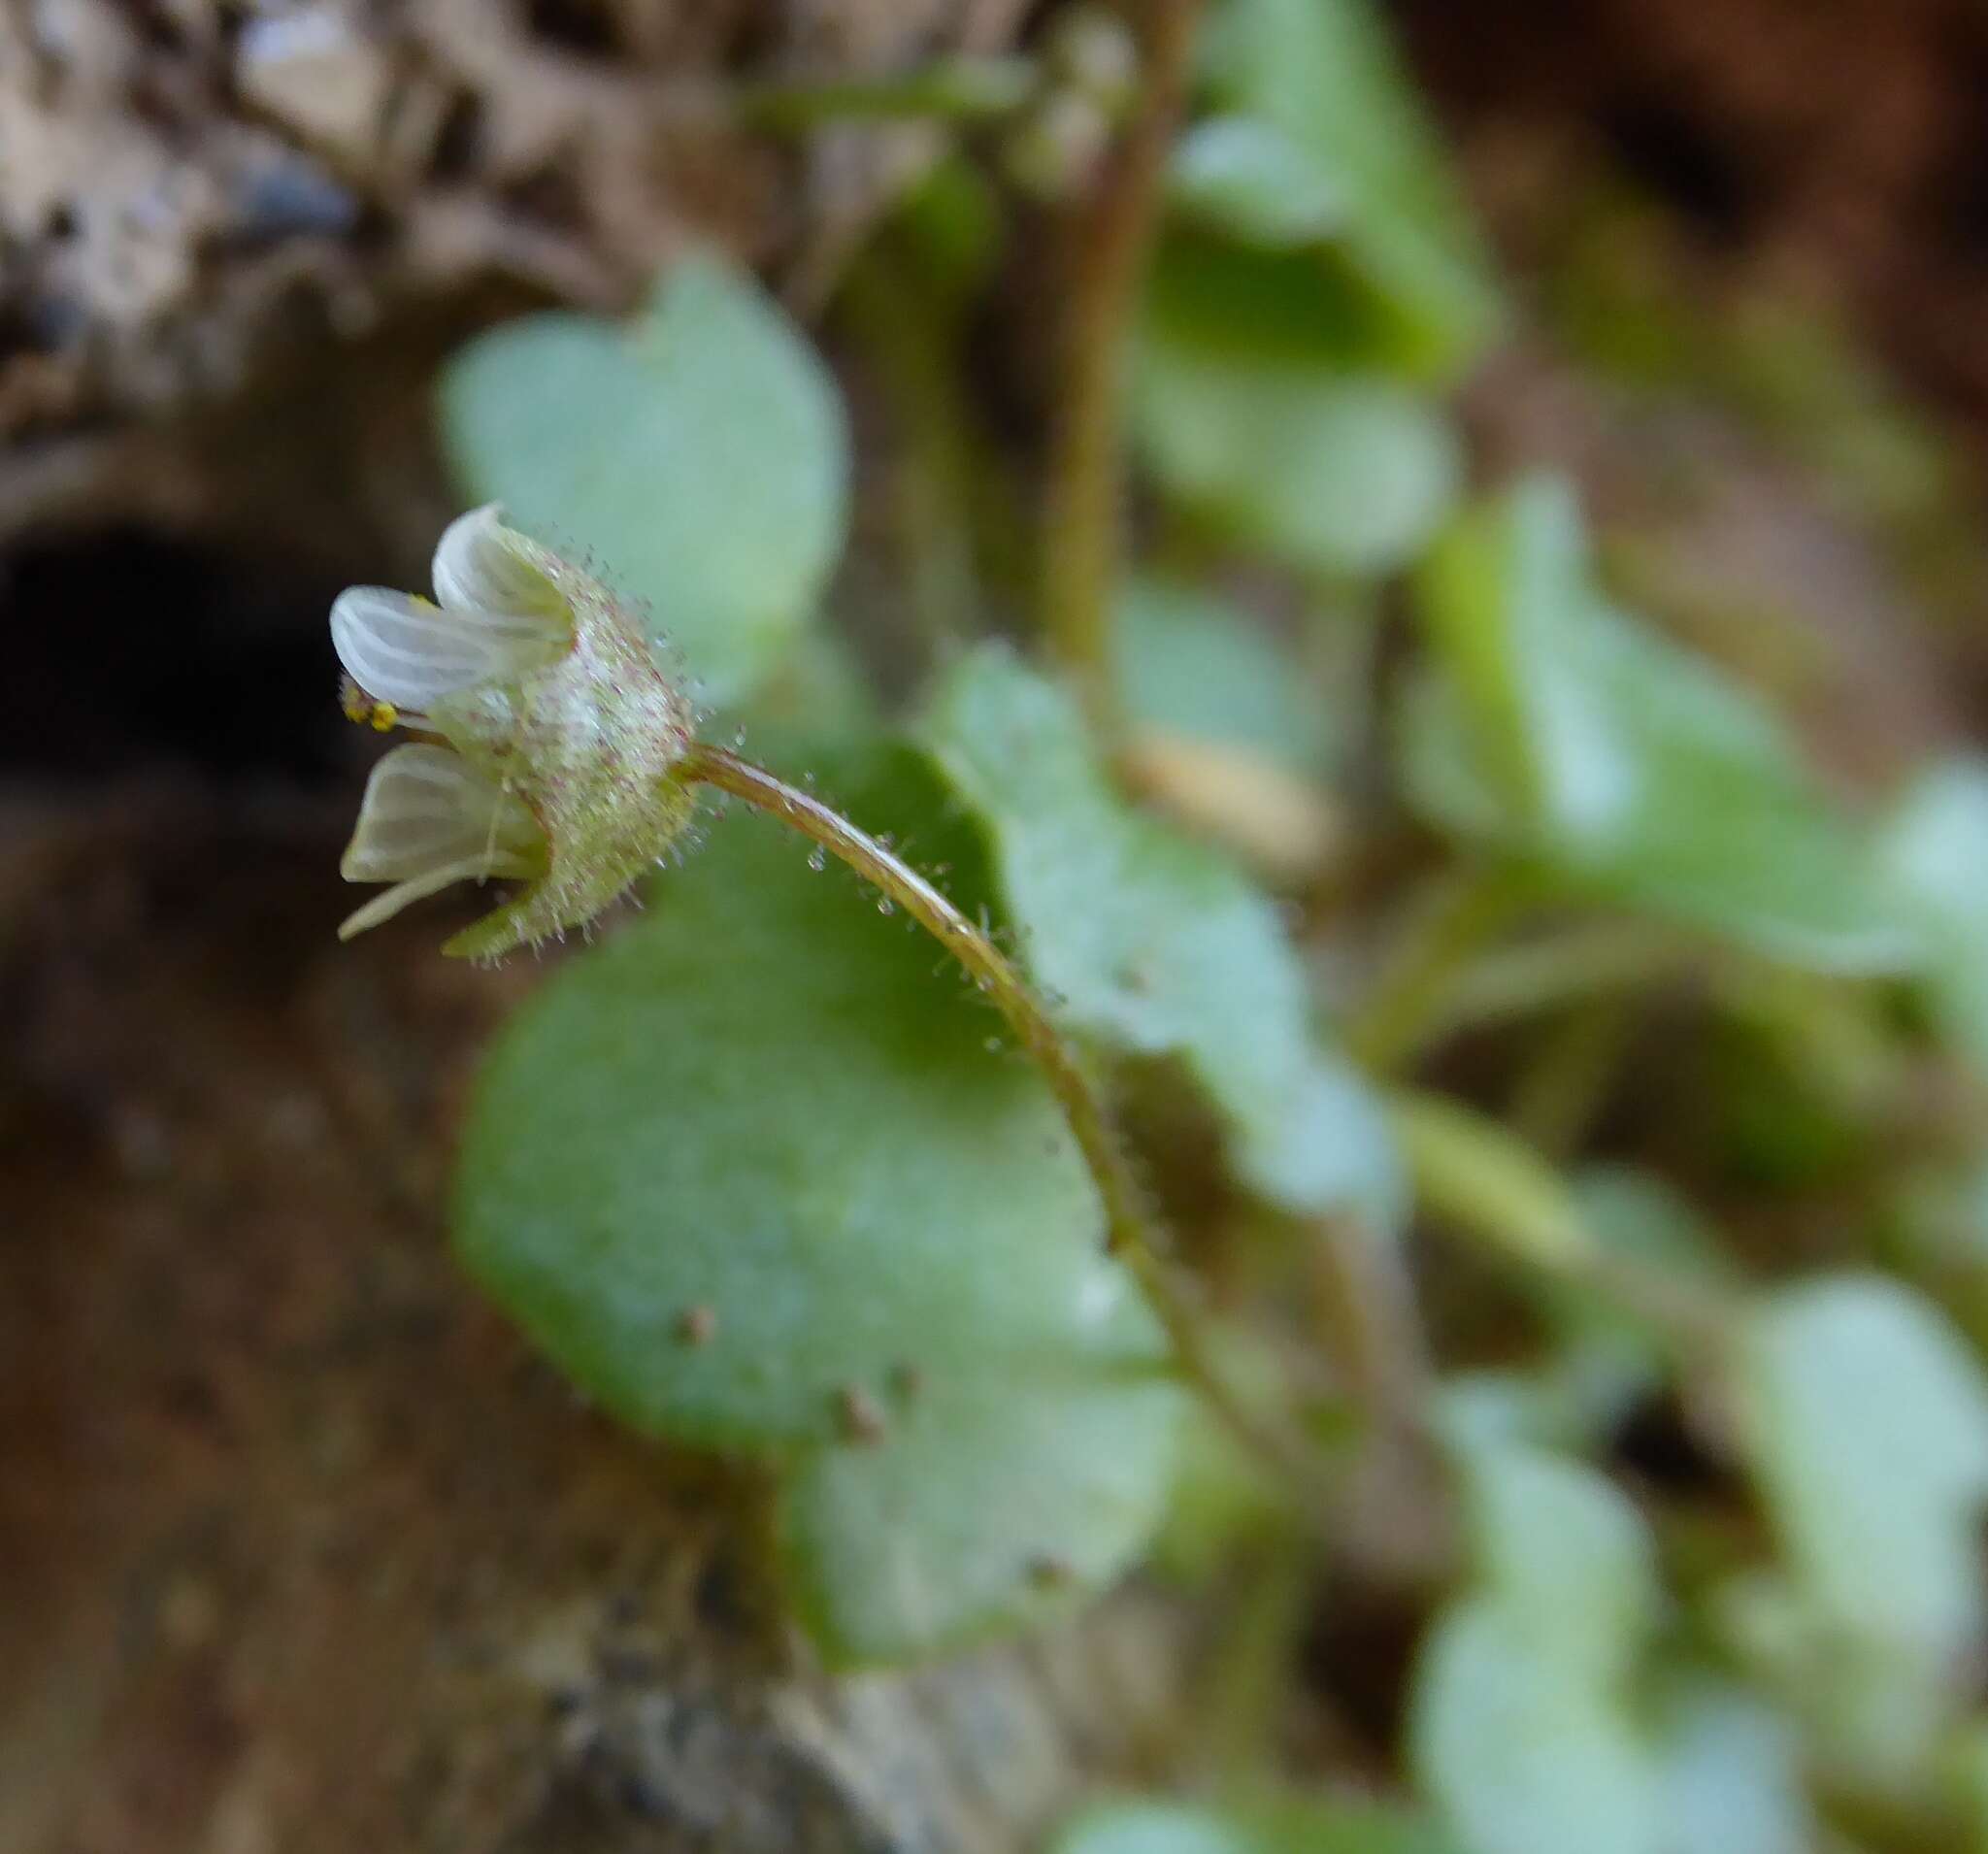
1128,1221
1112,237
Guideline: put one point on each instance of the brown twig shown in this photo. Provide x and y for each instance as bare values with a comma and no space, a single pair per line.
1112,234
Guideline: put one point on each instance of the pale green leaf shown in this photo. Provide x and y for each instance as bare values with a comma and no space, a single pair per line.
1322,75
1298,1825
1520,1725
1732,1774
1196,664
1564,733
1520,1758
1155,945
1243,175
762,1112
1563,1551
1868,1426
1152,1828
1253,408
1934,849
699,450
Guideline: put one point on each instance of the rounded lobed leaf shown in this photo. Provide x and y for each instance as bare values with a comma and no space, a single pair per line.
757,1176
701,448
1155,945
1563,732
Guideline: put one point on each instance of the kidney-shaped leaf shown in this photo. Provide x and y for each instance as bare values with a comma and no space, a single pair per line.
1520,1758
1565,733
1520,1725
1153,944
1868,1426
1564,1552
753,1177
700,451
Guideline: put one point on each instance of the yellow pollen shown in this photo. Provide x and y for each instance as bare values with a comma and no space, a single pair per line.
358,706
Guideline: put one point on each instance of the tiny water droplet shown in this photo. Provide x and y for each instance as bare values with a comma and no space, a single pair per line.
817,858
885,906
984,983
992,1045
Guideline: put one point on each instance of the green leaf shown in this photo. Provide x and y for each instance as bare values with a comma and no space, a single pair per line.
1299,1825
1153,944
763,1112
1934,849
1249,408
1564,1553
1195,664
1870,1708
1151,1828
1562,731
1503,597
701,451
1732,1774
1520,1726
1242,176
1313,1825
1322,76
1868,1426
1521,1759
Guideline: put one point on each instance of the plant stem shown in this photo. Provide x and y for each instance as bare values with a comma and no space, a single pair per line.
1112,237
1408,998
1564,1085
1575,968
1471,1172
1128,1223
954,89
909,344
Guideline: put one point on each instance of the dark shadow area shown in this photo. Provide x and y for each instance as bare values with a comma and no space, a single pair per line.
128,651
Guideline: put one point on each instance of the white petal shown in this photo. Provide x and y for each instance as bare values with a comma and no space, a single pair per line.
425,810
412,653
385,906
477,570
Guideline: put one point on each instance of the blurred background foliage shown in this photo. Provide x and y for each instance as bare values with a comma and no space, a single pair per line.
1565,1080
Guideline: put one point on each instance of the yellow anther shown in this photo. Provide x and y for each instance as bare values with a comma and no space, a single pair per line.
361,706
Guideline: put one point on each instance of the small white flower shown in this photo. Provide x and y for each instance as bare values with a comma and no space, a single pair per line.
564,734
